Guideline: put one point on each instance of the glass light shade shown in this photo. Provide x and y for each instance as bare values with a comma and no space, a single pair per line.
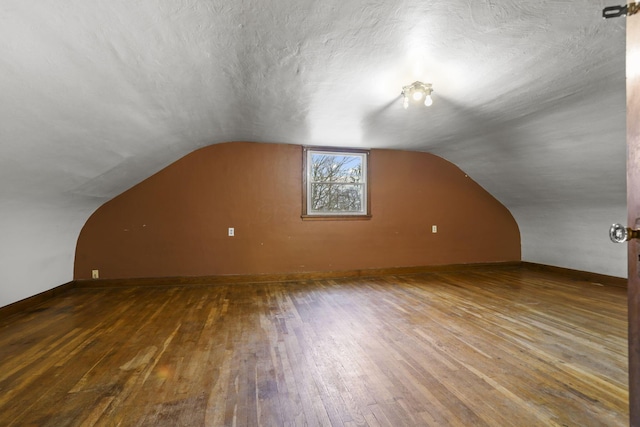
417,92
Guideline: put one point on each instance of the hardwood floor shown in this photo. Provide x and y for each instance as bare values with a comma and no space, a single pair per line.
493,347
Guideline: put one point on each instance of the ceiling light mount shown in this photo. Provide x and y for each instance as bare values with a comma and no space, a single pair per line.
417,92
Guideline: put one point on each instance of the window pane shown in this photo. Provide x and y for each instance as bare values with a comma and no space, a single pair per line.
336,184
337,197
336,168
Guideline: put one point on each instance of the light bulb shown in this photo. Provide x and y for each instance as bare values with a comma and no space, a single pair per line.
428,101
405,103
417,95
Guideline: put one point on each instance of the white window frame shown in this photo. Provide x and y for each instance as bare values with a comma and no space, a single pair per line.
308,212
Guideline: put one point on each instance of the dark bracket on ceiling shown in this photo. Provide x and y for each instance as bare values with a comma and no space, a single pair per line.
618,11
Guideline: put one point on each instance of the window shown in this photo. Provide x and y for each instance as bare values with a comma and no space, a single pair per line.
335,184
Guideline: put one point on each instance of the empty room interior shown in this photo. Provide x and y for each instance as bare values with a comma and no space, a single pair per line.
338,213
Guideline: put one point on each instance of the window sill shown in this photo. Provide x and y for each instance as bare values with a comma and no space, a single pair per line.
335,217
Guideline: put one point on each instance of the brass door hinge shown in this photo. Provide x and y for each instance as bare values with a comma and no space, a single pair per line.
618,11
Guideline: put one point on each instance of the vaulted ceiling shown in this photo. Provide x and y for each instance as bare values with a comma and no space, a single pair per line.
529,100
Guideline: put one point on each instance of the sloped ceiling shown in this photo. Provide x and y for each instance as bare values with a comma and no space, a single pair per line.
529,100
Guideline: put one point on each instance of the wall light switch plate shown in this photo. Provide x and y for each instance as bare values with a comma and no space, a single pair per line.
434,228
95,274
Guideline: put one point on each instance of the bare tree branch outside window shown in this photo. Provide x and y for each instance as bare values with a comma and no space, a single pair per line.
336,183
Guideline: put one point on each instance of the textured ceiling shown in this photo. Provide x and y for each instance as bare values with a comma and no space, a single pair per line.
529,96
98,95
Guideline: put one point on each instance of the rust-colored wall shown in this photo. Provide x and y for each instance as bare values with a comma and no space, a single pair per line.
175,222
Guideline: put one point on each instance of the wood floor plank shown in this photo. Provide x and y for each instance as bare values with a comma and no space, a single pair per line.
504,346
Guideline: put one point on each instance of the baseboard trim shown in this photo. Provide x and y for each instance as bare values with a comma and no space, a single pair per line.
578,274
32,301
282,277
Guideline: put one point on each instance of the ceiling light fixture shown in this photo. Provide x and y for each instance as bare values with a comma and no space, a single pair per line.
417,91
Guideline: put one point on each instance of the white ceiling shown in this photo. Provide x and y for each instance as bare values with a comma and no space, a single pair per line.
529,96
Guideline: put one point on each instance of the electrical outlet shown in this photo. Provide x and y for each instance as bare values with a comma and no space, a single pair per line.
95,274
232,231
434,228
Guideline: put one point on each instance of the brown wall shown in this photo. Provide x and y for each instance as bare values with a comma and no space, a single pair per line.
175,222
